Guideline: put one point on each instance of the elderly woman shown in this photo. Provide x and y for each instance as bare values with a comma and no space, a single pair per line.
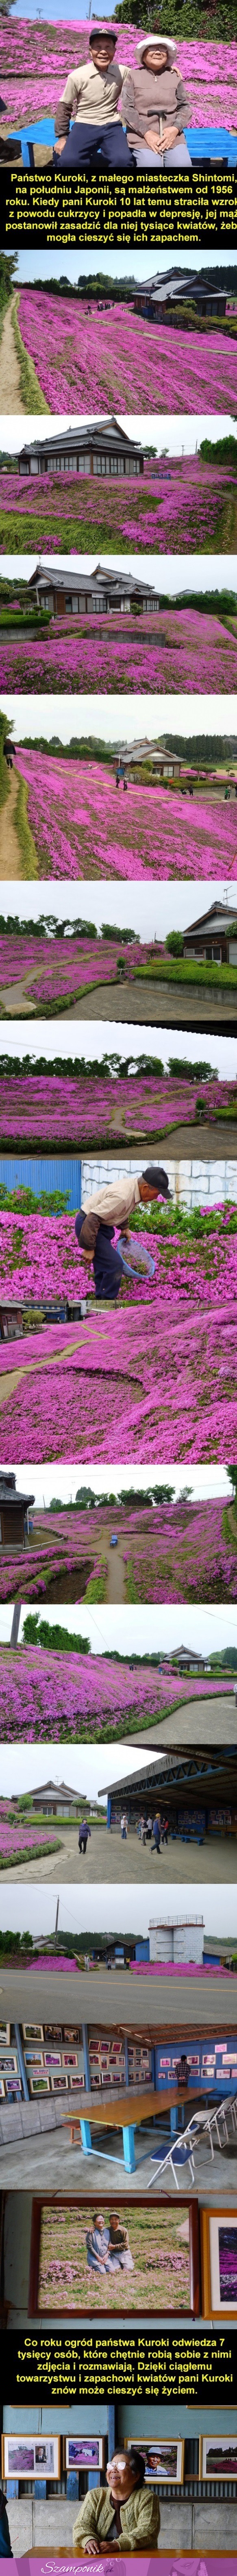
124,2515
153,101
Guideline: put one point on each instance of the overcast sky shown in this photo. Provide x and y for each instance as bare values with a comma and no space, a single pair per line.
140,716
171,574
86,1770
121,263
178,435
113,1909
151,911
53,1038
145,1630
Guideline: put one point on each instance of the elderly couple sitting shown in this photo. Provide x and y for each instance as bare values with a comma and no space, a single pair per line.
103,97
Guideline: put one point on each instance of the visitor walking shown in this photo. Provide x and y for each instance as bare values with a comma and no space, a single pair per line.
124,1828
109,1207
84,1835
149,1824
164,1831
155,1845
155,106
91,97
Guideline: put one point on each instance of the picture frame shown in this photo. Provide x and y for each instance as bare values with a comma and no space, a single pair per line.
39,2083
5,2034
135,2277
218,2456
85,2451
33,2030
34,2057
9,2062
59,2083
165,2466
219,2262
35,2455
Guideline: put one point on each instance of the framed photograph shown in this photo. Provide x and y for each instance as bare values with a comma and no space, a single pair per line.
218,2457
2,2089
39,2084
219,2262
86,2451
34,2056
70,2057
11,2087
33,2030
9,2062
36,2455
52,2060
59,2083
140,2259
164,2462
5,2034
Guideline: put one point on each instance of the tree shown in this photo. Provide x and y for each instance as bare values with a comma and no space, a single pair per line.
174,943
188,1072
39,1632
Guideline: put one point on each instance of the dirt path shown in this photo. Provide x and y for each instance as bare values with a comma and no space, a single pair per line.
17,1000
10,372
26,1368
115,1581
10,864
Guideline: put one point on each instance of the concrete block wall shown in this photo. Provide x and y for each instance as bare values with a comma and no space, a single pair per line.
196,1182
201,2525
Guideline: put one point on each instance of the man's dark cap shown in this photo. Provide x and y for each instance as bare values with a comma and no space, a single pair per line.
100,32
157,1179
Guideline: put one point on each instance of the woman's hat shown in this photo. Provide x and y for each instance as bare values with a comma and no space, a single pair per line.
160,41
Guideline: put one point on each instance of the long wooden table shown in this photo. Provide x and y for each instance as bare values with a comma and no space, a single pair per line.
126,2110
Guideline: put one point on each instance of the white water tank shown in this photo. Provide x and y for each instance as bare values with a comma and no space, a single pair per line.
161,1939
188,1941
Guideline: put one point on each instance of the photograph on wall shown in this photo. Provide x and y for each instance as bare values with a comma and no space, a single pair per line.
29,2456
164,2462
86,2451
113,2259
218,2456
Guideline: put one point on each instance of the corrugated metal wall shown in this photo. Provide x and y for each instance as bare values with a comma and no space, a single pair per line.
44,1172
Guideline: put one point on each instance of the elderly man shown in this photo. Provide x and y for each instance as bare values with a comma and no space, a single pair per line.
156,107
112,1206
91,97
124,2515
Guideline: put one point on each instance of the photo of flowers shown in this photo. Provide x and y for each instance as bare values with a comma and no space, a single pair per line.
135,2258
219,2262
218,2456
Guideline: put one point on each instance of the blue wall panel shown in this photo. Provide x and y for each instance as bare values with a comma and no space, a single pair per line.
44,1172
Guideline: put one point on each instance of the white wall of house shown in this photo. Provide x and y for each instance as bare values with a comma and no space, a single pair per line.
194,1182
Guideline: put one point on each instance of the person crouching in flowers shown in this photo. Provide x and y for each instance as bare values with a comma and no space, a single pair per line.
154,103
124,2515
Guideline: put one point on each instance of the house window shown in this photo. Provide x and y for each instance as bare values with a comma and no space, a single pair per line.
68,599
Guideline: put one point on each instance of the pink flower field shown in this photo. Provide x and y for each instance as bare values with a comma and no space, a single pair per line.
195,509
79,1699
100,1110
38,58
20,1843
142,1384
168,1552
54,972
82,825
131,363
39,1258
171,650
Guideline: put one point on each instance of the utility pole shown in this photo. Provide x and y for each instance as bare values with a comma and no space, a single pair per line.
15,1624
57,1915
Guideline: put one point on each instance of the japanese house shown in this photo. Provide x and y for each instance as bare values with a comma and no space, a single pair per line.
93,447
83,594
213,935
14,1509
197,287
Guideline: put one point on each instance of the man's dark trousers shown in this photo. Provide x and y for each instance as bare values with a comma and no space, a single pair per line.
107,1265
88,146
